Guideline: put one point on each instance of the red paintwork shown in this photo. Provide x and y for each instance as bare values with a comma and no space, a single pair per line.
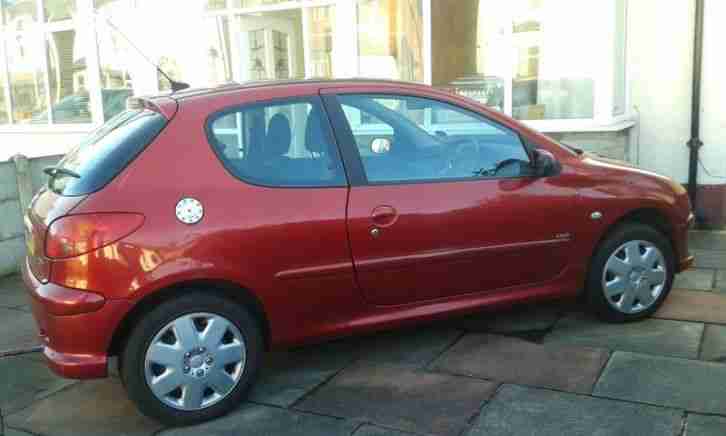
307,255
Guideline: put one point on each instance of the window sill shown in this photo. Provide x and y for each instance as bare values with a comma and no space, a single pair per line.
617,124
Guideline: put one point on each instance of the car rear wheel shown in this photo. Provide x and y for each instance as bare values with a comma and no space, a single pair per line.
631,273
191,359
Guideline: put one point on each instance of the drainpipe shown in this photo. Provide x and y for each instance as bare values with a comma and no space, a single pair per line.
695,143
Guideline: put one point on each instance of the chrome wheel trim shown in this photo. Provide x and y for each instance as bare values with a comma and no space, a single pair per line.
195,361
634,276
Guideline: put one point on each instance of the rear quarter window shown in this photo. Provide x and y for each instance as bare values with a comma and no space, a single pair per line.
106,152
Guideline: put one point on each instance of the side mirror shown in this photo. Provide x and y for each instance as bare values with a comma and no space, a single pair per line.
380,145
545,164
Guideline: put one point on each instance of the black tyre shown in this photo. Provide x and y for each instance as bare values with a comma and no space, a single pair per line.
631,273
191,359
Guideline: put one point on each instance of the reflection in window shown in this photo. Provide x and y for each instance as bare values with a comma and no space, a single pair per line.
320,27
256,3
18,13
270,44
4,115
390,36
213,5
116,56
218,50
67,71
56,10
27,77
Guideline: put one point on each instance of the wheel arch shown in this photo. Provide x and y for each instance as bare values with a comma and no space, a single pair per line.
226,289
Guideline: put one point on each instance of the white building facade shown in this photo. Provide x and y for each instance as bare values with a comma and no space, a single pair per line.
612,76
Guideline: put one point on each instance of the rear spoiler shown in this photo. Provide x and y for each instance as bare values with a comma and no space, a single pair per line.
164,105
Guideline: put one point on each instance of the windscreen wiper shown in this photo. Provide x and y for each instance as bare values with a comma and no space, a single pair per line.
55,171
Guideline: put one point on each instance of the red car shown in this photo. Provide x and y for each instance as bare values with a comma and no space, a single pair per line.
193,232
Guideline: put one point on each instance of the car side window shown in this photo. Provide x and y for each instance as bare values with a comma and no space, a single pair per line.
281,143
405,138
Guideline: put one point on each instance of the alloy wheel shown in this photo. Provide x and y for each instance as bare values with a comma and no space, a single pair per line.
195,361
634,276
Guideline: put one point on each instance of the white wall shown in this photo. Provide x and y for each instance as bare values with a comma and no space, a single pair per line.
713,111
660,62
38,144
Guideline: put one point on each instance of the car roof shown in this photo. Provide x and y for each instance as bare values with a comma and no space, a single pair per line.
319,82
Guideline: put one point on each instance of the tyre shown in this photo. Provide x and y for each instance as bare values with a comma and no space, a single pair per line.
631,273
191,359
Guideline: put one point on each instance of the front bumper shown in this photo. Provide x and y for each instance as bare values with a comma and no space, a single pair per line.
75,335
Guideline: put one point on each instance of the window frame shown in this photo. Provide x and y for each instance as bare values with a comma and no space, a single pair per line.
312,99
352,158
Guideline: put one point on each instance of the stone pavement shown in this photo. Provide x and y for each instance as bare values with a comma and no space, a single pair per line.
546,369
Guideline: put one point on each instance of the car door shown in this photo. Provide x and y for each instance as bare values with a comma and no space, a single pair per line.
444,201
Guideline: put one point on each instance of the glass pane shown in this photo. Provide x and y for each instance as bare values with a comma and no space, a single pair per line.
270,45
213,5
18,13
4,115
257,3
420,139
390,39
56,10
554,72
474,60
218,50
67,78
118,61
26,66
621,27
281,144
320,24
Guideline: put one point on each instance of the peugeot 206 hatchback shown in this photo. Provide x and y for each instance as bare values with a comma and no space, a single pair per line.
193,232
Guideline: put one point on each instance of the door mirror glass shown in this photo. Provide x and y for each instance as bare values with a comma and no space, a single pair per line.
380,145
545,163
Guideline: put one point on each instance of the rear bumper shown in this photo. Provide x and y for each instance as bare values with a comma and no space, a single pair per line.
75,334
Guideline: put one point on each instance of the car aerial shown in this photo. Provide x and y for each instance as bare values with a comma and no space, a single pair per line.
195,231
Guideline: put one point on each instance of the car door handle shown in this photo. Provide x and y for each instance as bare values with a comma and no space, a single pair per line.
384,216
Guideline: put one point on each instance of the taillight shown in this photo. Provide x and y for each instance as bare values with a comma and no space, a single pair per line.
74,235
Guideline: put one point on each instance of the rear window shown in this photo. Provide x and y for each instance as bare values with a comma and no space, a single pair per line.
106,152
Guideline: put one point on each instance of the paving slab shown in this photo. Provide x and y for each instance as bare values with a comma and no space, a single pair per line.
709,258
707,239
401,398
665,381
713,347
518,410
287,376
98,407
23,381
651,336
521,319
12,293
721,280
695,306
511,360
17,329
372,430
702,425
268,421
697,279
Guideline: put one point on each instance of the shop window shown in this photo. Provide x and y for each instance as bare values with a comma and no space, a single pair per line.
69,97
4,101
218,50
19,13
25,56
534,59
320,25
258,3
56,10
390,38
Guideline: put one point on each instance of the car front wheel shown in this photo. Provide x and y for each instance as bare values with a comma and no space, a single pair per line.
191,359
631,273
